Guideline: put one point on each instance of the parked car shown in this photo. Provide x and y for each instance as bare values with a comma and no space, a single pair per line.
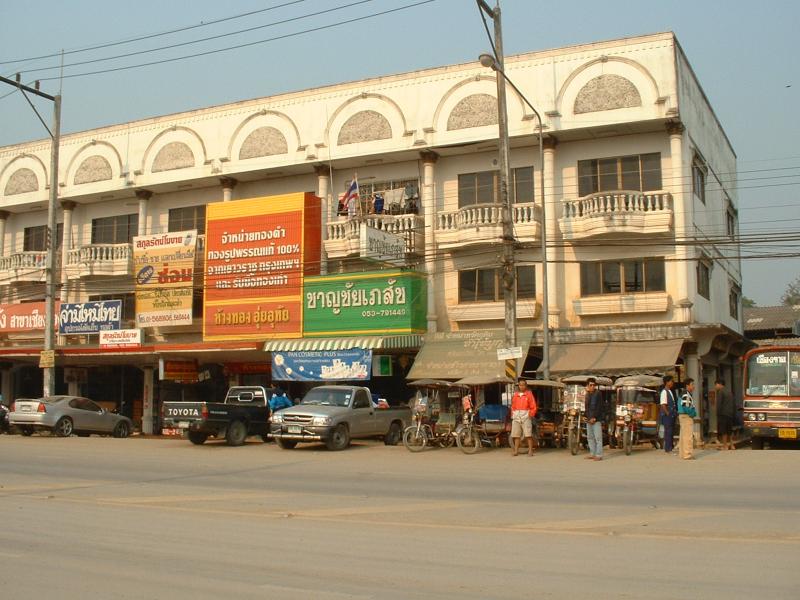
335,415
244,412
65,415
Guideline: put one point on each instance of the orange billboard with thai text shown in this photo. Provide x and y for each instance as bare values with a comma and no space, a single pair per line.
257,252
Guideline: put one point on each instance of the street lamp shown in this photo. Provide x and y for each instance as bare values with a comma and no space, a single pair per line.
489,61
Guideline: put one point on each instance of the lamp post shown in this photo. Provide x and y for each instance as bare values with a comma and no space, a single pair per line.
489,61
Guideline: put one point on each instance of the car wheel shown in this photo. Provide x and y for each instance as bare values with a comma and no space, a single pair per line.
285,444
26,431
197,437
340,438
122,430
394,435
63,427
236,433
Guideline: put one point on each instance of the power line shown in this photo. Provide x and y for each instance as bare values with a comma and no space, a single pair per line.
151,35
205,39
245,45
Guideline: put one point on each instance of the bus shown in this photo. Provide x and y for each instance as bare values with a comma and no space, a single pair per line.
772,393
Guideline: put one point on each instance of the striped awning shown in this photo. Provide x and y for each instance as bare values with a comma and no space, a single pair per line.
372,342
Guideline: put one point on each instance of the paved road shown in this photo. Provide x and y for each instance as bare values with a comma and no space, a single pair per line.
155,518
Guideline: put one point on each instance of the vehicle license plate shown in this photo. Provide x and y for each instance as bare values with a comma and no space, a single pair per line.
293,429
787,433
183,425
25,408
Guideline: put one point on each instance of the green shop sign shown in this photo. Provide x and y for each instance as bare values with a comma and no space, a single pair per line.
380,302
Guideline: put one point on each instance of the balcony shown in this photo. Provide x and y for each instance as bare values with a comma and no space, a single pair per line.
100,260
344,237
23,266
483,224
615,213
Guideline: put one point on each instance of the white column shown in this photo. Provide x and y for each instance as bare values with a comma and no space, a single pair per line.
66,245
678,182
429,207
3,218
693,370
228,183
143,196
323,193
147,401
551,229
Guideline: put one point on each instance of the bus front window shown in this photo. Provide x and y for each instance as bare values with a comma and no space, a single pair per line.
768,374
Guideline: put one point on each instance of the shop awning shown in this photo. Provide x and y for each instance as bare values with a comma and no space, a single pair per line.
462,354
374,342
615,358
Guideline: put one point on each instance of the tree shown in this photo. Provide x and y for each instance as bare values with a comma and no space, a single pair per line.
792,294
747,302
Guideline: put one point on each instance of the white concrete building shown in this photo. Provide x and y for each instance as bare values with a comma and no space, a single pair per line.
640,185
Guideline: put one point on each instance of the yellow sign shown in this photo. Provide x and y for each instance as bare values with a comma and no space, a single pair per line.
47,359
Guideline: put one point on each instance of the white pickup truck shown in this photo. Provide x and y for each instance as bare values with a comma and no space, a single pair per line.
335,415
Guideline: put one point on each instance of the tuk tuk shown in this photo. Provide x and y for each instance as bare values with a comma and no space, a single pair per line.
549,400
571,432
482,423
434,415
637,411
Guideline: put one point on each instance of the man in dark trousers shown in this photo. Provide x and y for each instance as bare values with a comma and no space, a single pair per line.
594,420
669,412
726,414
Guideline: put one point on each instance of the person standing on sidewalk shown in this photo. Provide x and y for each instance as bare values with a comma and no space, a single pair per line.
523,409
726,413
594,420
686,415
669,412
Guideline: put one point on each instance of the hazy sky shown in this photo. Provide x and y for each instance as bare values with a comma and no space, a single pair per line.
744,54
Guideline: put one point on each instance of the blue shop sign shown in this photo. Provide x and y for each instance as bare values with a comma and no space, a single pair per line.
89,317
328,365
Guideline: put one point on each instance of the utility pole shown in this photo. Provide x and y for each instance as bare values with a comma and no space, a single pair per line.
509,271
48,360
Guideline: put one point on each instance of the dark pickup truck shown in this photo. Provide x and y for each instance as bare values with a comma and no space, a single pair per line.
245,412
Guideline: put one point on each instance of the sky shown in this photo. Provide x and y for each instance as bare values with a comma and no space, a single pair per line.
743,53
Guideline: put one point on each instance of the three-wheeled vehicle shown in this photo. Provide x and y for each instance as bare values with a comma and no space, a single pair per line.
434,415
483,424
637,411
572,432
549,402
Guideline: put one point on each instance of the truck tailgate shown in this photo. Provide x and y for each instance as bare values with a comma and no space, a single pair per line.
183,414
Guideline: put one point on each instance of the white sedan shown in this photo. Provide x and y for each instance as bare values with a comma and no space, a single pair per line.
65,415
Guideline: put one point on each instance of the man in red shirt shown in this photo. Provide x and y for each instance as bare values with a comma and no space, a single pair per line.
523,409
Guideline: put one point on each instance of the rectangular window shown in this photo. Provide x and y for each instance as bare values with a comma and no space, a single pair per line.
35,238
622,277
730,223
486,285
699,181
704,279
115,230
734,298
484,187
638,172
188,218
128,303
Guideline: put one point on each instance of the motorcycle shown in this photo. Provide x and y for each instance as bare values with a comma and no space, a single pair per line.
5,427
423,432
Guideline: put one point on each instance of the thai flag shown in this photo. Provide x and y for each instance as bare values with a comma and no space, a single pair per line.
350,198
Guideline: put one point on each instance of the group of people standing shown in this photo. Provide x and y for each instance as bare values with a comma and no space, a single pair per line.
672,409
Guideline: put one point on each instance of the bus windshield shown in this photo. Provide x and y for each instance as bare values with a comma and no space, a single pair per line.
773,373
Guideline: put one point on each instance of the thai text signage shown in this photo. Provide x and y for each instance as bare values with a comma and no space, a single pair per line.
23,318
381,246
121,338
164,270
380,302
257,252
180,371
89,317
333,365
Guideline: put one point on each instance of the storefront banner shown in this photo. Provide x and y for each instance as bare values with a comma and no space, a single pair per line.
247,368
379,302
381,246
333,365
89,317
25,317
257,252
179,371
121,338
164,271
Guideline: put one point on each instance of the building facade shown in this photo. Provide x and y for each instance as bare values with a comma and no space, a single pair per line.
639,186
